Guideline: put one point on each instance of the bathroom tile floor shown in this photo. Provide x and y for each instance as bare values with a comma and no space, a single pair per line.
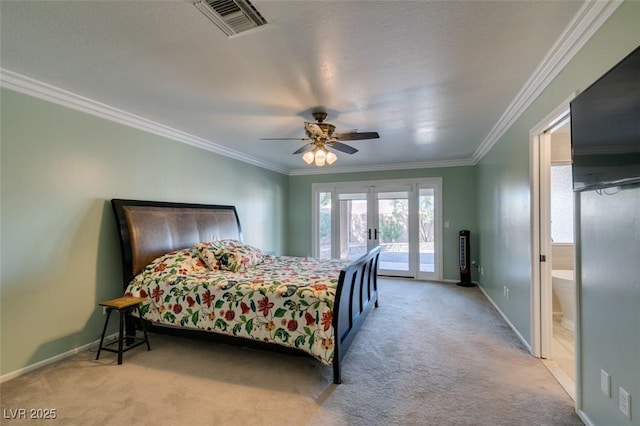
562,363
564,347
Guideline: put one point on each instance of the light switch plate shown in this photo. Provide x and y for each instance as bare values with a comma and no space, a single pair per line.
625,402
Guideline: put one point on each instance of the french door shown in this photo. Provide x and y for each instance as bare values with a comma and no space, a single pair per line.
402,217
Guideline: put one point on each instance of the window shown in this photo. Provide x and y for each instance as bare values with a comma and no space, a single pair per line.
561,204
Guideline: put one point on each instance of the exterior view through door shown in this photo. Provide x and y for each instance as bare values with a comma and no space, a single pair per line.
401,216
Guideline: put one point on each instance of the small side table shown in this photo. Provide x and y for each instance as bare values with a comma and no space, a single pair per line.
123,305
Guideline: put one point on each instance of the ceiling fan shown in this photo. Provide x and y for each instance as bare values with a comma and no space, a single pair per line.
320,136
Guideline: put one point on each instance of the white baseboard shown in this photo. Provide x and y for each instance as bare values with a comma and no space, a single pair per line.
457,281
585,419
515,330
45,362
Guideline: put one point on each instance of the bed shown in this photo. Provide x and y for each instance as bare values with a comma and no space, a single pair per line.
200,280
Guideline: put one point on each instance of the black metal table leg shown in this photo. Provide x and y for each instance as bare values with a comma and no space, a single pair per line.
121,336
104,330
144,329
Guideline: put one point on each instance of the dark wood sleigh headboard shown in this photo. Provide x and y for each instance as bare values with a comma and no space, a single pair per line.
149,229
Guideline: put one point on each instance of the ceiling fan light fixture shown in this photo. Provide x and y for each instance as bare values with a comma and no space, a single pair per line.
321,157
331,158
308,157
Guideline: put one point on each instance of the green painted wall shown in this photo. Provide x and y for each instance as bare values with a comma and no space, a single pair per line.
503,220
504,227
459,208
610,310
60,252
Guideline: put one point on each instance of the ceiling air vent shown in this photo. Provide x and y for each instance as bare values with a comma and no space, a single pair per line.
231,16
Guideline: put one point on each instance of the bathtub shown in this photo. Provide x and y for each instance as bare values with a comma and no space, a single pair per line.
563,286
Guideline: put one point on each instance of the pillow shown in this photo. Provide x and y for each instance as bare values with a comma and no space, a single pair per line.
229,255
179,262
206,253
189,262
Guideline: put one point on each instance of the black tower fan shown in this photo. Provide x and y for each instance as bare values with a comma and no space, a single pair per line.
465,262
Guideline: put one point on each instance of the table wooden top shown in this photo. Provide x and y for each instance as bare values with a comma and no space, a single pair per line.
123,302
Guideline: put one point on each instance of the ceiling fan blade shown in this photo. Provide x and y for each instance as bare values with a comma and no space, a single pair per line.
306,148
343,147
354,136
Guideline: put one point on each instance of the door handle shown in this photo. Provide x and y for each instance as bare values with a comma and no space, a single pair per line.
369,232
375,234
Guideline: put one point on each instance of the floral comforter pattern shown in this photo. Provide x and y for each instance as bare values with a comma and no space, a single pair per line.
284,300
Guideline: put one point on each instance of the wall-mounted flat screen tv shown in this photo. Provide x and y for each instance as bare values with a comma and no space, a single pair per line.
605,129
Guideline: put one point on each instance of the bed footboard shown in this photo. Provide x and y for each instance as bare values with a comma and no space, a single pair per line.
356,295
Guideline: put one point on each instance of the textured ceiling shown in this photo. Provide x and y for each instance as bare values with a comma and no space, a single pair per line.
433,78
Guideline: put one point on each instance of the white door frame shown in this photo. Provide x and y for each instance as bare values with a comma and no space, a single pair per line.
541,291
541,287
541,251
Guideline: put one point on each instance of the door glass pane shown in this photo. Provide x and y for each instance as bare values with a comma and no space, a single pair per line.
393,230
353,226
426,205
324,228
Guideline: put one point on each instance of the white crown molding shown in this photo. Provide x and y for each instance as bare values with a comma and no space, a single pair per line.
584,24
380,167
29,86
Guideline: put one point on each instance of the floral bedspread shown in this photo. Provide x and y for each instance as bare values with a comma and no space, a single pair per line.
283,300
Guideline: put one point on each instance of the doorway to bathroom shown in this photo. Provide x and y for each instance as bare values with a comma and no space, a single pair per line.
553,289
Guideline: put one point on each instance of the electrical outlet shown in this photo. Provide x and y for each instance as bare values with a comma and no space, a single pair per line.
507,293
605,383
104,310
481,270
625,402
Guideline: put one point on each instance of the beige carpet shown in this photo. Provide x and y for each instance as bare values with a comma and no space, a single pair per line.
431,354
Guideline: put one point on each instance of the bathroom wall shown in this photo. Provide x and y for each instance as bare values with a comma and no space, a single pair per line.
562,256
561,146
